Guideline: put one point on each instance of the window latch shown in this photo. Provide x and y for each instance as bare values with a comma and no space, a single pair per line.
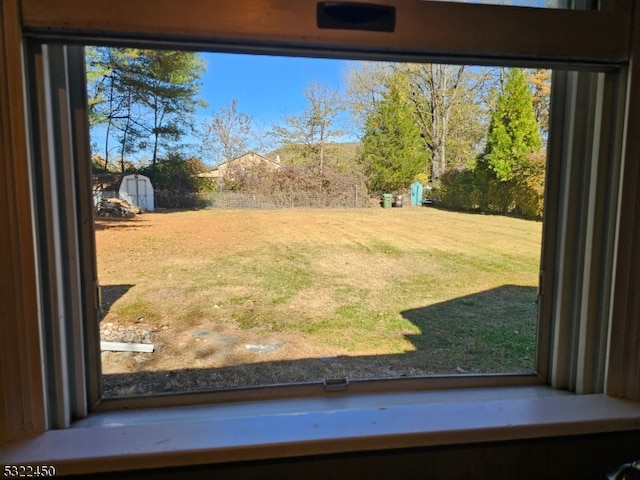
356,16
335,384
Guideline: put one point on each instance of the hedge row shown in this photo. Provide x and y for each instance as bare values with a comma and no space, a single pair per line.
478,189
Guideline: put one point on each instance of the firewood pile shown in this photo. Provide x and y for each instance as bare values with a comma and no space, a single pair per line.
115,207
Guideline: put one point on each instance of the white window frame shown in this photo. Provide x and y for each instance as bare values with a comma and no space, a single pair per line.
587,308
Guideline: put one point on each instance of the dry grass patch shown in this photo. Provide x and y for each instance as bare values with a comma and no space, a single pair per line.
301,295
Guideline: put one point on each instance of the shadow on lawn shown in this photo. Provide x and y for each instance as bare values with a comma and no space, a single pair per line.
484,332
110,294
118,223
487,332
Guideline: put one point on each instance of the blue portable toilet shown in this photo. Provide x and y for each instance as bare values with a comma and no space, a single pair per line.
416,193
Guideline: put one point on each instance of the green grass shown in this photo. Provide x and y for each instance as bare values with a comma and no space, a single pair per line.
443,291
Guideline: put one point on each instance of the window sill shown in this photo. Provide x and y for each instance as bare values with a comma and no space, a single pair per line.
198,435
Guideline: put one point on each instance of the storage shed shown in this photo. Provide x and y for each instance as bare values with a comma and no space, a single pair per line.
134,188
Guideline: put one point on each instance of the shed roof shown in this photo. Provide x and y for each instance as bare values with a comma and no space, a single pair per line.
108,182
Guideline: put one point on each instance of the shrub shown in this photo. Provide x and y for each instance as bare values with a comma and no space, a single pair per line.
176,183
186,200
458,189
300,185
480,189
529,190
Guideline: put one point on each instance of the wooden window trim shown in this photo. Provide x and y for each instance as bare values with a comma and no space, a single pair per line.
524,35
424,29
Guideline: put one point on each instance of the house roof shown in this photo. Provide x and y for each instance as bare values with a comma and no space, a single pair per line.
216,171
239,157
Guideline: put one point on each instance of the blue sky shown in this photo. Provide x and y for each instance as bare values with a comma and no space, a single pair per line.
267,88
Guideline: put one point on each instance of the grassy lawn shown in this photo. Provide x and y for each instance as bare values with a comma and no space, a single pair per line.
397,291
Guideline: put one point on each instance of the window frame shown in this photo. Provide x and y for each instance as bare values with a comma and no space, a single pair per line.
510,35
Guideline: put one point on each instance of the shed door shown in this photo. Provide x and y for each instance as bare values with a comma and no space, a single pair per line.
137,190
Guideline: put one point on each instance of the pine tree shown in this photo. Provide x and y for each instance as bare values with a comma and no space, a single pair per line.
167,84
513,131
394,152
112,101
146,99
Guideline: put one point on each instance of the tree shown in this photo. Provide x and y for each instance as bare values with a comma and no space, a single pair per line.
112,100
311,132
540,81
367,83
513,131
445,99
167,83
466,127
175,181
175,173
393,153
226,134
146,98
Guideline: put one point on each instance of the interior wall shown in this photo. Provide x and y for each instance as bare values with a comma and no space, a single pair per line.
584,457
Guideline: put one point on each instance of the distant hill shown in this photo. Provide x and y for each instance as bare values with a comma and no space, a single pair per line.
335,153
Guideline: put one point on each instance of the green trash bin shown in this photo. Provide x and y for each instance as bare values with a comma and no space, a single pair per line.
386,200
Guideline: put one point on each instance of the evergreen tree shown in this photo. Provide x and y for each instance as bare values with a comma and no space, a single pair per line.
446,102
168,84
145,98
112,101
513,131
393,151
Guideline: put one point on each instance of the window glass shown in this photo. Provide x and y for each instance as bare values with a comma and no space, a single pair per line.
267,220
